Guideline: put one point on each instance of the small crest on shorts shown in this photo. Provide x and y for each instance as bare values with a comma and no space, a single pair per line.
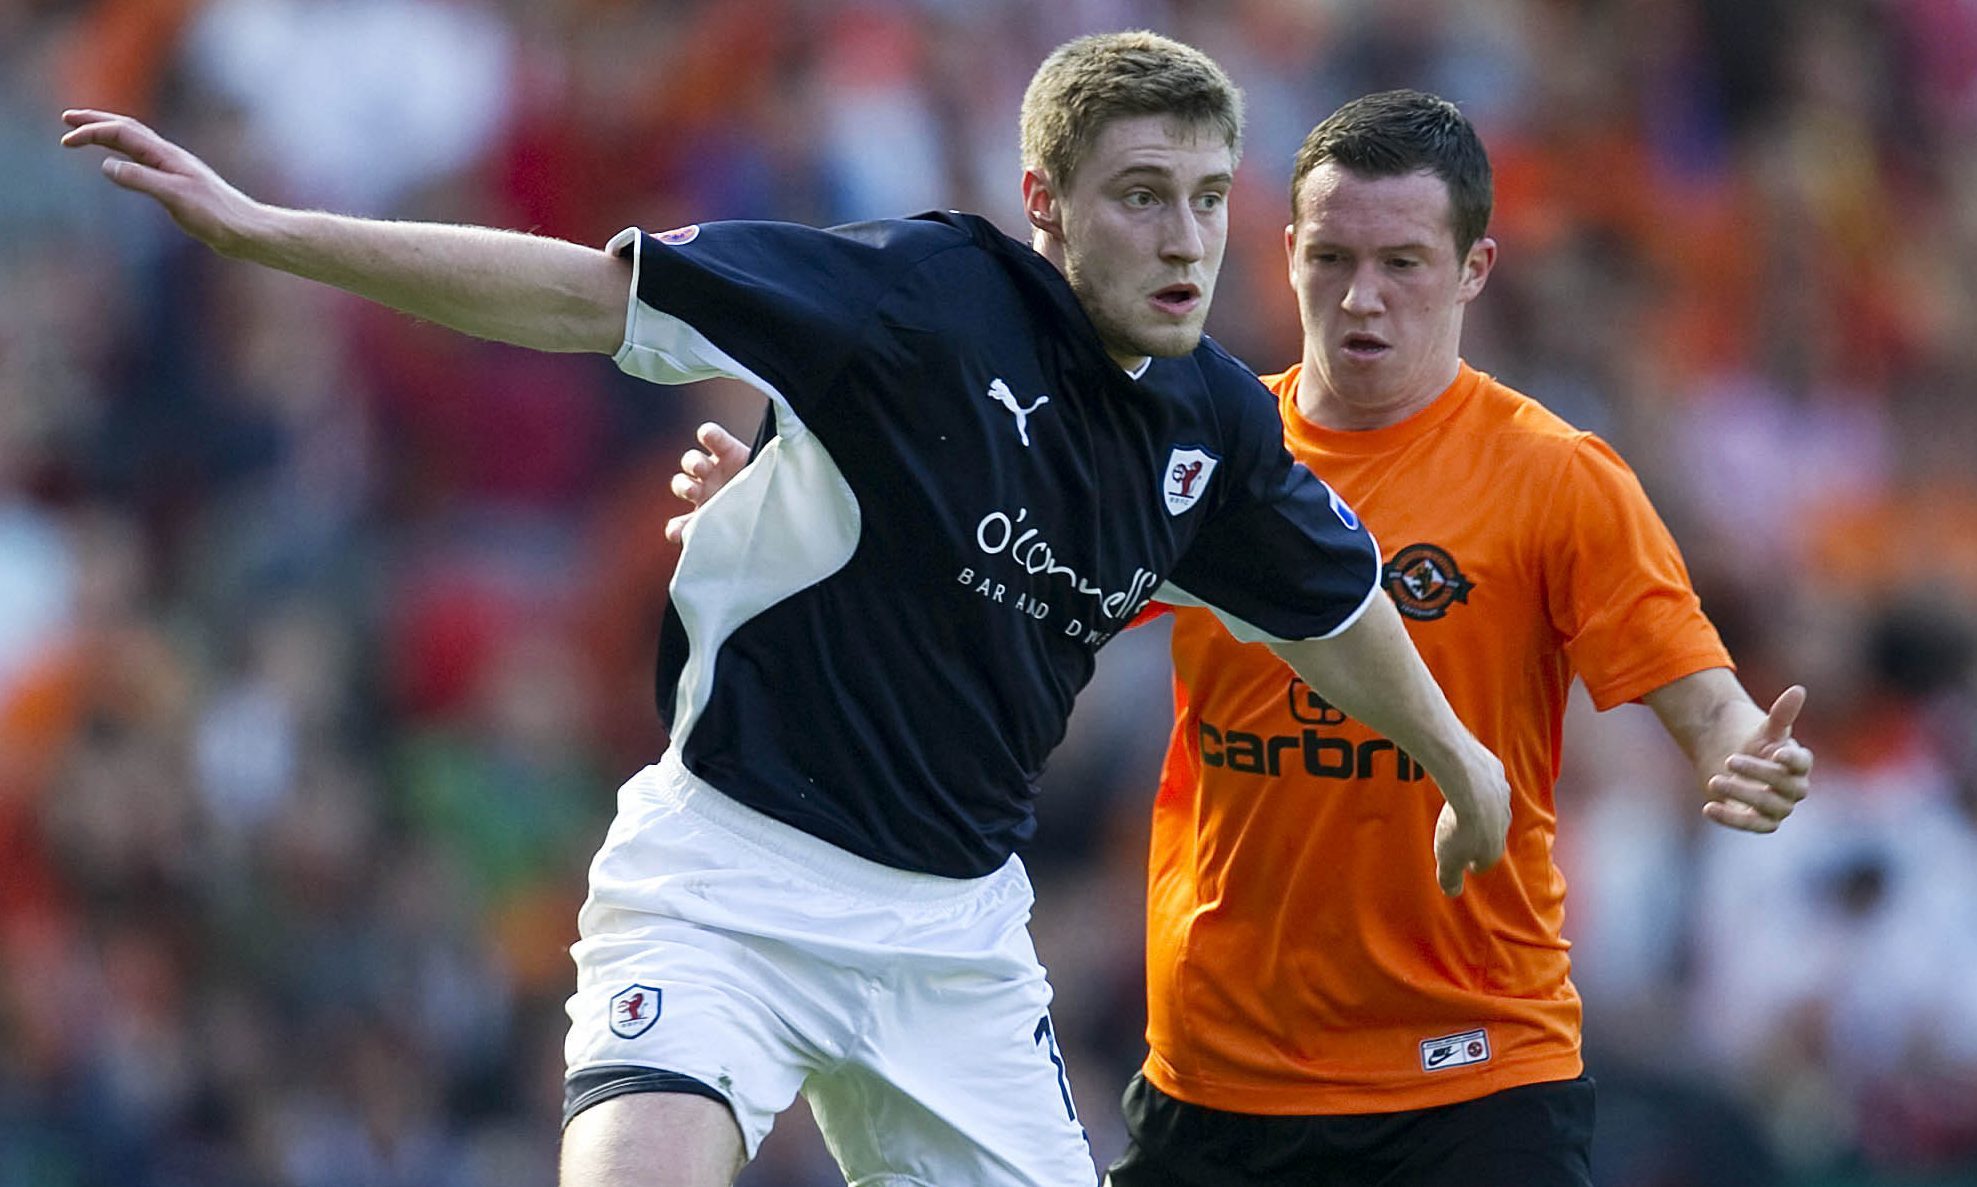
633,1010
679,236
1186,477
1471,1046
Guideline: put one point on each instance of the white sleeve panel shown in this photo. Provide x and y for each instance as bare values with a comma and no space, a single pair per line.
659,347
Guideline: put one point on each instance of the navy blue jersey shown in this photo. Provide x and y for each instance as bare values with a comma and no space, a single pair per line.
887,614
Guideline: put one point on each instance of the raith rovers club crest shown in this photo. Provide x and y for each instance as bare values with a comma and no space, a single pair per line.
1186,477
633,1010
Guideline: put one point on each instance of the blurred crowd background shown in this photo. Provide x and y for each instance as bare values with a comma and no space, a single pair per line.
325,636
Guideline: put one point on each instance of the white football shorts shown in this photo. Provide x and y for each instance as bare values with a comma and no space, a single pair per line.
733,955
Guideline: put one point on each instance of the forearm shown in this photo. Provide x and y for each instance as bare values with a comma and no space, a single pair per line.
545,294
1372,672
1709,715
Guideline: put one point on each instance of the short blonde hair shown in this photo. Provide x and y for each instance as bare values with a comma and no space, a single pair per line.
1087,83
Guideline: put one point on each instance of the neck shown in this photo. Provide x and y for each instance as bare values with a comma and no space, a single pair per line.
1346,412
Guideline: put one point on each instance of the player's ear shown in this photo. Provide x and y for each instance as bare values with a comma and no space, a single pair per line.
1040,204
1476,268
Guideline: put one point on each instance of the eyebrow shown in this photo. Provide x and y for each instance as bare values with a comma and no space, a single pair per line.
1133,171
1412,245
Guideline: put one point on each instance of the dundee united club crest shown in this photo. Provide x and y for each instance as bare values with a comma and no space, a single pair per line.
633,1010
1424,582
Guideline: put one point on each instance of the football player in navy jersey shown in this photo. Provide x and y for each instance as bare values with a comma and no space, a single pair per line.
987,457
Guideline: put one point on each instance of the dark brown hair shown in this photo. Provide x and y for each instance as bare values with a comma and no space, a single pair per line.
1394,133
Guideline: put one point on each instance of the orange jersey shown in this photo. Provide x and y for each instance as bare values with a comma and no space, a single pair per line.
1300,958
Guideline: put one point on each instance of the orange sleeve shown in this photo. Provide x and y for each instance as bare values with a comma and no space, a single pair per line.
1616,587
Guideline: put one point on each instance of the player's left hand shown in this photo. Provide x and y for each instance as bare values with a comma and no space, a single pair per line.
1767,776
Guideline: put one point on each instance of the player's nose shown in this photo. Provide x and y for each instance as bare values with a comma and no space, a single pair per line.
1181,239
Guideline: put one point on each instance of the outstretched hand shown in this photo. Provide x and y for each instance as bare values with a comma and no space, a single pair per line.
704,473
197,198
1767,776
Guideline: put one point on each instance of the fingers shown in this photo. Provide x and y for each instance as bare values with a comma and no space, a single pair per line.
1453,868
117,132
695,481
1742,817
89,117
1784,711
1784,769
1449,872
1761,784
133,176
696,464
146,160
1456,849
726,448
703,473
1755,794
1759,797
76,117
1789,757
691,483
1448,852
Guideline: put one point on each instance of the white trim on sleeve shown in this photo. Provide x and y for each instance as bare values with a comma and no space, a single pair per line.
1248,632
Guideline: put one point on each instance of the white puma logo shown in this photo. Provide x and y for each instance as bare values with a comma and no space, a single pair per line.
1000,393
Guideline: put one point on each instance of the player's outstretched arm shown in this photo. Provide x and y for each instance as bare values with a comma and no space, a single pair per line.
1753,770
547,294
1372,672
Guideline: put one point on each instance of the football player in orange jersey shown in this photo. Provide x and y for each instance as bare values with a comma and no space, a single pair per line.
1318,1015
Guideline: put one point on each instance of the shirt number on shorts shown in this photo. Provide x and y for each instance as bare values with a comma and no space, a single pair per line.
1048,1041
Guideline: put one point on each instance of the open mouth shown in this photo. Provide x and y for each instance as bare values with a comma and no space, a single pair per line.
1365,346
1177,299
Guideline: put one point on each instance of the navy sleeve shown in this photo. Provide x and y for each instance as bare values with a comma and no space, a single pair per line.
1282,557
779,305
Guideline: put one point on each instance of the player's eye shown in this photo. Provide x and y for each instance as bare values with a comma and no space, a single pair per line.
1210,201
1140,199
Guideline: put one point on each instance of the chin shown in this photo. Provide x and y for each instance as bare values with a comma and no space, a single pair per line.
1345,364
1169,342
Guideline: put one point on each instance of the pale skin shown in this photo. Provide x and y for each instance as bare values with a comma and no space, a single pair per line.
1139,232
545,294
